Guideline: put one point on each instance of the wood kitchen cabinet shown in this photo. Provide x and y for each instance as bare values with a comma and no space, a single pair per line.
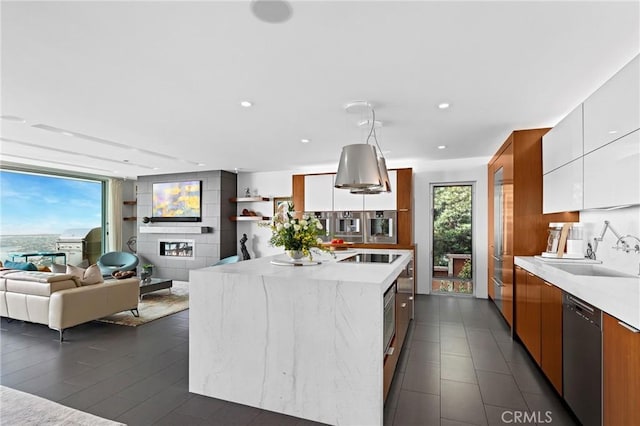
529,330
516,224
551,334
539,323
400,199
620,372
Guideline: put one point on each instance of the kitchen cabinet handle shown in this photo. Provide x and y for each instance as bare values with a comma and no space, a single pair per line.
530,274
410,297
403,210
390,351
498,283
548,284
404,305
628,327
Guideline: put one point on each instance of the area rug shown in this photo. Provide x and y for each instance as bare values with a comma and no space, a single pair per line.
155,305
20,408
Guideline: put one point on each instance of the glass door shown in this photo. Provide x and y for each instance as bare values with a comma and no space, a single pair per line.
452,255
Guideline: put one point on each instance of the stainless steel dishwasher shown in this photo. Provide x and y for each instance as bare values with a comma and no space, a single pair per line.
582,359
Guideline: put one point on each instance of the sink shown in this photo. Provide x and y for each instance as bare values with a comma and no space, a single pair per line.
593,270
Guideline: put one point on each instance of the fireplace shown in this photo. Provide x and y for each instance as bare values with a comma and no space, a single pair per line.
177,249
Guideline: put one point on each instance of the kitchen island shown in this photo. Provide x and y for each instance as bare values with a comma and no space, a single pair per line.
304,341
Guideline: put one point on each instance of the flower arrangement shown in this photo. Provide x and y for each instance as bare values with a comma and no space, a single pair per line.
296,235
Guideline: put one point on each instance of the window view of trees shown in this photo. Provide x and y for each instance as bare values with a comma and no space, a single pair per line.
452,242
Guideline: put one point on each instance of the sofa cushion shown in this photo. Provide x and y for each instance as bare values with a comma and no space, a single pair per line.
37,283
58,268
23,266
91,275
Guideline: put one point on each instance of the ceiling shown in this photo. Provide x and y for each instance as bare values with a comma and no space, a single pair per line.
144,88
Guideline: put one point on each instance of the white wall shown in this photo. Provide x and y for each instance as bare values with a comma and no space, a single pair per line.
624,221
279,184
472,170
267,184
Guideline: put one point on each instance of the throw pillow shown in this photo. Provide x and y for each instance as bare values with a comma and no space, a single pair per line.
58,268
23,266
89,276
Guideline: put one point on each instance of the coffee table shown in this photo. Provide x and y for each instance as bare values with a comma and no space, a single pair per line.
155,284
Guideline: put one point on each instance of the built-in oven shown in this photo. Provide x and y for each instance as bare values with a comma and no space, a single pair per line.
389,330
348,226
326,219
380,227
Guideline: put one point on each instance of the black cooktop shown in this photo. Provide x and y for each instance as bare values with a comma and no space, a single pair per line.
371,258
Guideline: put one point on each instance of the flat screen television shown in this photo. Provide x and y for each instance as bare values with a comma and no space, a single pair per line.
177,201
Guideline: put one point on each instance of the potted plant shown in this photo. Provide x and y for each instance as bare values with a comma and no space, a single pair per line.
296,236
147,269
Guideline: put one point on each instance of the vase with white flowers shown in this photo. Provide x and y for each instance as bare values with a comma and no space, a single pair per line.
297,235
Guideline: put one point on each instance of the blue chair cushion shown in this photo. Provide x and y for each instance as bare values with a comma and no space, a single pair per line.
23,266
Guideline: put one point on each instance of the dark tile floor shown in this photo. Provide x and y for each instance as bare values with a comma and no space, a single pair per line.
459,367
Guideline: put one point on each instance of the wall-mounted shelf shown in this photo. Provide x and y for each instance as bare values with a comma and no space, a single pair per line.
130,203
248,218
248,199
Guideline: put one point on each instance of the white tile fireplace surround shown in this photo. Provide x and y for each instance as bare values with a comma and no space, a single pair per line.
178,249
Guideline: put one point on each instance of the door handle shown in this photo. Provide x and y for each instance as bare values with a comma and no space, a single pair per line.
628,327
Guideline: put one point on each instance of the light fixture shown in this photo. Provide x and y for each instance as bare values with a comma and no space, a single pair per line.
362,168
444,105
442,146
246,104
305,140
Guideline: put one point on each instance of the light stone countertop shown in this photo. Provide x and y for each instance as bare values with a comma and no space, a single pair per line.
380,274
617,296
306,341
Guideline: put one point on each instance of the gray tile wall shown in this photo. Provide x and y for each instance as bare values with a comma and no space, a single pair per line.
210,247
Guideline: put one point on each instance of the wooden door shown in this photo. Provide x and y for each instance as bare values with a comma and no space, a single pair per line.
621,373
551,334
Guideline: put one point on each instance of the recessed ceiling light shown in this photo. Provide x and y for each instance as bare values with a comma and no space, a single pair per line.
443,105
613,132
200,164
442,146
13,118
305,140
67,133
156,168
246,104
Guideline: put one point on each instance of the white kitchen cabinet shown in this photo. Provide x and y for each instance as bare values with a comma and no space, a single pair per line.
563,143
613,110
612,173
344,200
318,193
562,188
386,200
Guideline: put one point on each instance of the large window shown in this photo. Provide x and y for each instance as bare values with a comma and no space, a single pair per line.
36,209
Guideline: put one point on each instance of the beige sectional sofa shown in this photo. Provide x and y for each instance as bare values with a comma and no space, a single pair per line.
60,301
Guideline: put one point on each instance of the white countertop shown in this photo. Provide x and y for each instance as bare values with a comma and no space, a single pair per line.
380,274
617,296
306,341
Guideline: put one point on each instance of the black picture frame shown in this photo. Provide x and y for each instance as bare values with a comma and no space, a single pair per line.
177,201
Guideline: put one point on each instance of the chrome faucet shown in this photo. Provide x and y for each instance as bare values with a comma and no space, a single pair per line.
621,244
